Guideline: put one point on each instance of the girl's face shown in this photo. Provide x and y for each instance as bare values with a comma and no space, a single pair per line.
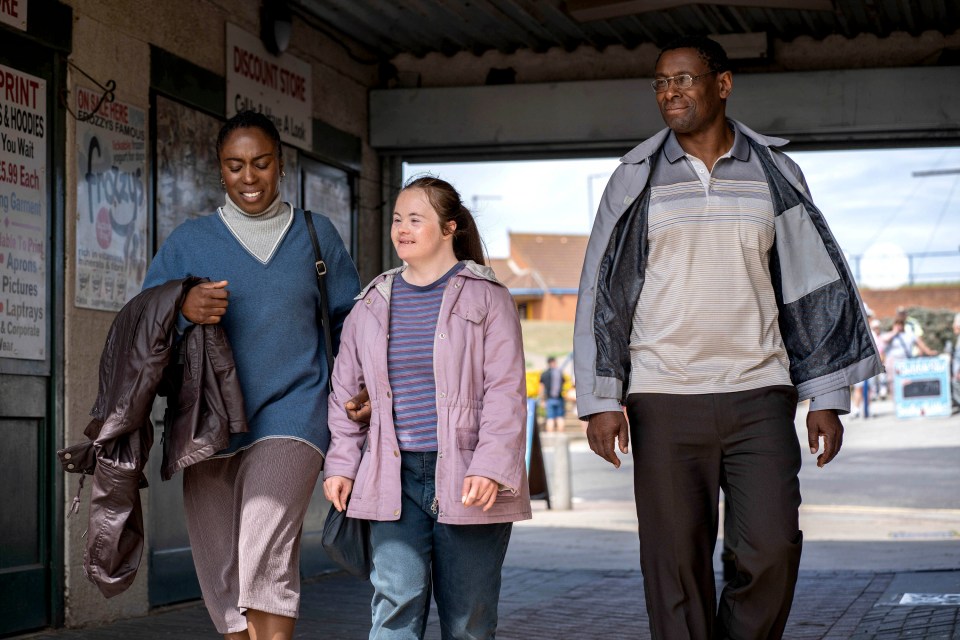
416,232
250,165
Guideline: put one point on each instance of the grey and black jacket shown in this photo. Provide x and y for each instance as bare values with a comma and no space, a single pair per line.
821,317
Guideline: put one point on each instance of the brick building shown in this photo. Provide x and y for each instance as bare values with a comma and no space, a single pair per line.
543,274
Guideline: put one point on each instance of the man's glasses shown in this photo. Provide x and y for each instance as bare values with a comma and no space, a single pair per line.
682,81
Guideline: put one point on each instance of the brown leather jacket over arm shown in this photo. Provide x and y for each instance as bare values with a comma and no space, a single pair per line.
140,353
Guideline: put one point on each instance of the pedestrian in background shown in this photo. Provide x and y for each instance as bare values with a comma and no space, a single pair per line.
551,390
440,469
708,219
954,353
863,391
245,506
899,344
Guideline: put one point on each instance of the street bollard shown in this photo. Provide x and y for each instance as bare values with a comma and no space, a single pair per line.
561,492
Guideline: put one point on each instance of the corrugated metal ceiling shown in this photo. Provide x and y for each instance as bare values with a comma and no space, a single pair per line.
420,27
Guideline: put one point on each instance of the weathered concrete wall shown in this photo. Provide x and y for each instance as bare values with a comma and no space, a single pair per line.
98,46
111,40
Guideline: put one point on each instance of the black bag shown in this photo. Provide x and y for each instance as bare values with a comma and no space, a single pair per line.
347,542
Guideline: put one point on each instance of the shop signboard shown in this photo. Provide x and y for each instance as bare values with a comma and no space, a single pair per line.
23,215
14,13
279,87
921,387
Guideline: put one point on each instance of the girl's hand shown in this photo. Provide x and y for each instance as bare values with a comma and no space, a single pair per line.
478,490
337,489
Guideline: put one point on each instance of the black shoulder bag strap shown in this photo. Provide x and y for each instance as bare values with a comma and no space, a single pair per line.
321,268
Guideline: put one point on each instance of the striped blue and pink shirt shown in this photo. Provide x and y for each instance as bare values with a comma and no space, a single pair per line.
413,325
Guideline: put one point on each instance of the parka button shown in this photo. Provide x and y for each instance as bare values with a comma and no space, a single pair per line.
369,301
71,466
396,454
443,336
396,512
67,456
388,395
443,395
456,285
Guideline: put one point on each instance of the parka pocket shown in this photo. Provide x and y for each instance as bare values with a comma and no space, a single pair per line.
467,441
471,312
363,471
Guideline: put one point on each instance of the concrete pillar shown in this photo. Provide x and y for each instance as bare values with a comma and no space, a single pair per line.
561,485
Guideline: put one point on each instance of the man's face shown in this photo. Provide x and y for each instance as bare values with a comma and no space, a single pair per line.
694,109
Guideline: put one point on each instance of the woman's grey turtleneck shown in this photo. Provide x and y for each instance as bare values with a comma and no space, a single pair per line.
261,233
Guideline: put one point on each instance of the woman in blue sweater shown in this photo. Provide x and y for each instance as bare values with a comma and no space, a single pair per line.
245,506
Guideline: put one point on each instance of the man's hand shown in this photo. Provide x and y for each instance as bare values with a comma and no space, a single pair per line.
478,490
824,424
206,302
337,489
358,407
603,429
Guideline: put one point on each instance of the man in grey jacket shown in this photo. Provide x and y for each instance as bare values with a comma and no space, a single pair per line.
713,298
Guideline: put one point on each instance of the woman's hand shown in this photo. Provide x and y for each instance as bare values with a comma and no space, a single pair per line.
337,489
206,302
358,407
478,490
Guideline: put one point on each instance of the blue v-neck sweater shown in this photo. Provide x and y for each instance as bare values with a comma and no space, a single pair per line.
273,319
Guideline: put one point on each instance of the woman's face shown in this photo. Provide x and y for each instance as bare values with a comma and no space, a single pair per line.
250,165
416,232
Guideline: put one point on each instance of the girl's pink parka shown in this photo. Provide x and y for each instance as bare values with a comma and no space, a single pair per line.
481,401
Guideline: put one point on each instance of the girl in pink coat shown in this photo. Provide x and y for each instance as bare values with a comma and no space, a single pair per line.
440,469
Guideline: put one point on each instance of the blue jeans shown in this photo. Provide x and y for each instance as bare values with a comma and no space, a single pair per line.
415,555
555,408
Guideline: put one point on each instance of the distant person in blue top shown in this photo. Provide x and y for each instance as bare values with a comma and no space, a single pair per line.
245,506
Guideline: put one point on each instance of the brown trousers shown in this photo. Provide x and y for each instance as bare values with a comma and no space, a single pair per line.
685,448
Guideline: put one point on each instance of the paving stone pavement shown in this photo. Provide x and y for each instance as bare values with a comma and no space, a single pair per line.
575,574
546,604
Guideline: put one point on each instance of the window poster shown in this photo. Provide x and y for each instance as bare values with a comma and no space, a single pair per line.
111,202
188,174
327,190
290,183
24,216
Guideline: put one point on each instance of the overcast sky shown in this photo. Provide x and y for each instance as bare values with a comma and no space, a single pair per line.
873,203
